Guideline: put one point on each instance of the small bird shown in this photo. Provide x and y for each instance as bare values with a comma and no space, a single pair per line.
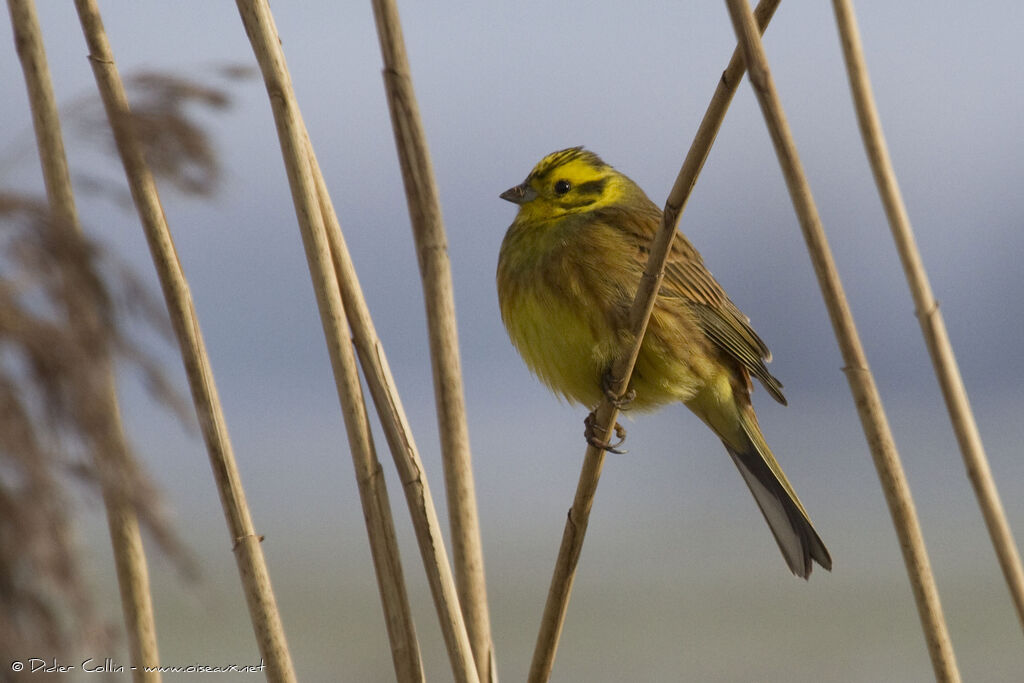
568,271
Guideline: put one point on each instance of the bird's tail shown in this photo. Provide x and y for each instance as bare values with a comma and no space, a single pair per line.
786,517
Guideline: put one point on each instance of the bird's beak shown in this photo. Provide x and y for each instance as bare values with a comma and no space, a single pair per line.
520,194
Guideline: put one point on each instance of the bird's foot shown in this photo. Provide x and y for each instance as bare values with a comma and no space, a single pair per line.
590,425
620,402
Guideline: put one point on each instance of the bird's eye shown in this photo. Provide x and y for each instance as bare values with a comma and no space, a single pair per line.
561,187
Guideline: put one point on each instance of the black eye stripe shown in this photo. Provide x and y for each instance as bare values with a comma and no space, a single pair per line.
592,186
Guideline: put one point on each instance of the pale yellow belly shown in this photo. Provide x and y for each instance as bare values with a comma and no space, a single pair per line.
569,346
560,343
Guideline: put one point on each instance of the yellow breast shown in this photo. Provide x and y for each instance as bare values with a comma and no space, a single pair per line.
560,340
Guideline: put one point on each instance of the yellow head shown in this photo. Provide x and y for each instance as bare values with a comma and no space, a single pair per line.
569,181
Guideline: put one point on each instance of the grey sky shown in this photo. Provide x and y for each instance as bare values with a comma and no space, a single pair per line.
499,86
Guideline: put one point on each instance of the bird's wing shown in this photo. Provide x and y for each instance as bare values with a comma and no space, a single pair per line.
719,318
686,278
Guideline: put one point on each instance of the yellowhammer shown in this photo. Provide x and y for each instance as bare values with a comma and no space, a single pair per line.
568,271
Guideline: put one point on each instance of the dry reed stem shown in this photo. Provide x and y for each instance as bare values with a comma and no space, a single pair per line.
858,374
435,271
245,542
111,449
927,308
380,527
576,524
259,25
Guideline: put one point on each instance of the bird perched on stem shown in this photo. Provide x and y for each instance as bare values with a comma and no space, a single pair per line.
568,272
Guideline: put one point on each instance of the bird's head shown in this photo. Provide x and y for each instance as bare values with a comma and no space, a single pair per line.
569,181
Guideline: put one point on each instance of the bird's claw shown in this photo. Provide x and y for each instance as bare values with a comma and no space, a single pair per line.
620,402
590,425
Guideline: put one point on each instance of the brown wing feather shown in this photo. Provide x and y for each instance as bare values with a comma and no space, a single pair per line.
721,320
688,279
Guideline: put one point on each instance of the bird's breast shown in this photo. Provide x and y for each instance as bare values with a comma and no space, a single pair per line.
565,305
557,321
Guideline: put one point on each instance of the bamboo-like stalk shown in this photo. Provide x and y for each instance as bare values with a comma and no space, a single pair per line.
380,527
858,374
245,542
111,449
435,271
579,515
933,327
259,25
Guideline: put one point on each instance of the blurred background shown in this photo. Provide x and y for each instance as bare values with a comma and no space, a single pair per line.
680,578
